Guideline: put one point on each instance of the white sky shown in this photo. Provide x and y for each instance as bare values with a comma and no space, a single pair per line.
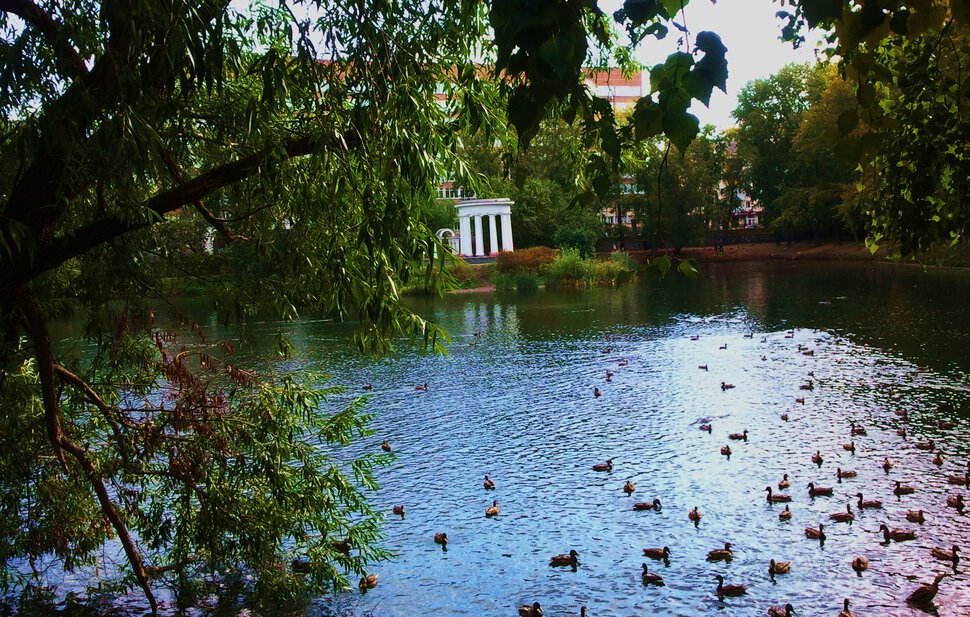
749,30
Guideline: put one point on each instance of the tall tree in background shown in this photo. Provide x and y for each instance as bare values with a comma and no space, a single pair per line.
906,60
769,115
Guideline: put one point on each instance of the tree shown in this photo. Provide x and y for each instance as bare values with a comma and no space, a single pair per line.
905,60
311,143
769,115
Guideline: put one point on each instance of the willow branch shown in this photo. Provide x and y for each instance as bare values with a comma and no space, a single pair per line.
44,23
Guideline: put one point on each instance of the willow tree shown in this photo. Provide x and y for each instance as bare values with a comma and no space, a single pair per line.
307,137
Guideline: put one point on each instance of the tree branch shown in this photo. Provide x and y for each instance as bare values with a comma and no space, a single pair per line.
45,24
37,328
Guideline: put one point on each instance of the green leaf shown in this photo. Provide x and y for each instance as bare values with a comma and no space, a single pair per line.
680,128
689,268
848,120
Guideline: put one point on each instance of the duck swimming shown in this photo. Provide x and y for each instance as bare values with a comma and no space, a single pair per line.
629,487
695,515
871,505
815,534
778,567
739,436
817,458
777,611
776,498
726,386
785,483
956,502
845,612
902,489
441,538
915,516
844,474
785,514
860,565
887,465
657,553
651,578
530,611
489,484
493,510
385,446
647,505
947,555
721,554
607,466
729,590
422,388
896,535
726,450
843,517
565,560
368,581
819,491
925,593
399,510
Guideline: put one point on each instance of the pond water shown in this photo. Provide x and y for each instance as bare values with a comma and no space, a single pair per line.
514,400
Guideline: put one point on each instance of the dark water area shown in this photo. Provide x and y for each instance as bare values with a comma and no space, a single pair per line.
514,400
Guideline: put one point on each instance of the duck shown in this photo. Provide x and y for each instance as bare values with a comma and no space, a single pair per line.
843,517
623,362
749,335
647,505
596,392
629,487
724,346
800,400
657,553
695,337
902,413
946,424
819,491
963,480
776,498
726,386
915,516
784,417
739,436
860,564
785,482
489,484
607,466
947,555
887,464
901,432
300,566
902,489
844,474
938,459
873,504
956,502
926,445
925,593
849,447
385,446
493,510
422,388
368,581
778,567
565,560
896,535
703,367
609,375
817,458
855,429
533,610
342,546
808,385
441,538
810,352
368,387
729,590
726,450
845,612
695,515
651,578
721,554
815,534
777,611
706,427
785,514
399,510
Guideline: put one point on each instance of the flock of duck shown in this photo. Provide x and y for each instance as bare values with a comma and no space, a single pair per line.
920,598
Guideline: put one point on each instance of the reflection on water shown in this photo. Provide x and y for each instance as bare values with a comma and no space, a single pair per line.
515,402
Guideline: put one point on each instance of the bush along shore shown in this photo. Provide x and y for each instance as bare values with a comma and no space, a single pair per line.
542,266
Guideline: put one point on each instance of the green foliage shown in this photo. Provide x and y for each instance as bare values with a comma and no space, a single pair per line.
582,239
568,269
516,281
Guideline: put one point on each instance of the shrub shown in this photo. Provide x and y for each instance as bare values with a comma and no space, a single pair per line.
525,261
569,268
581,239
624,259
609,273
465,275
515,281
